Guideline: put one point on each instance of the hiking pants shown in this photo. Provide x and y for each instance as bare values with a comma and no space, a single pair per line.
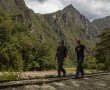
60,61
79,66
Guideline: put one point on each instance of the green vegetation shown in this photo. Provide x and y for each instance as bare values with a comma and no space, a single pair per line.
91,63
103,50
9,76
19,49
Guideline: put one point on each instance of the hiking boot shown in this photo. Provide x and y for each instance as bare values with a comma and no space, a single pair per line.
64,74
82,75
58,76
76,77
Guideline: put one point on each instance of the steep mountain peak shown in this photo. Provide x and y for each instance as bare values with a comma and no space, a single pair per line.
71,20
70,7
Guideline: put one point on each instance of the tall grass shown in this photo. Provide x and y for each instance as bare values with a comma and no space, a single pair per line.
10,75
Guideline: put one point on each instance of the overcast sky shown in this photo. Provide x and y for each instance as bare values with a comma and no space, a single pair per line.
92,9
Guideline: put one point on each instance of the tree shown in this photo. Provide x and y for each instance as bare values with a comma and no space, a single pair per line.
19,49
103,49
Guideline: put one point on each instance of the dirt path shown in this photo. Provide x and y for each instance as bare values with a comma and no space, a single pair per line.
101,82
41,73
38,73
33,74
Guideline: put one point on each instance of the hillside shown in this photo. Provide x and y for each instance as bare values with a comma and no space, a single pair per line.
102,23
12,6
68,23
35,22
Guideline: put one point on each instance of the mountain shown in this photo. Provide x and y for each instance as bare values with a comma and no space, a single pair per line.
68,23
102,23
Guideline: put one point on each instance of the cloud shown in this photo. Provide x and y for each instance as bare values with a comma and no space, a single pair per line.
92,9
44,6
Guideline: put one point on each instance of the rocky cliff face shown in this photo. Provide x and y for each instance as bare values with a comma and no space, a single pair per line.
68,23
102,23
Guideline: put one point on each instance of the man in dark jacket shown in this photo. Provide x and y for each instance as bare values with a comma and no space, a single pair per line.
60,56
79,50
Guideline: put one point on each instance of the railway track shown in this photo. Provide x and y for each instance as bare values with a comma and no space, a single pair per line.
42,80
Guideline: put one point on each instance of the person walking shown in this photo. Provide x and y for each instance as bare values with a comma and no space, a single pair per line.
79,51
61,54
